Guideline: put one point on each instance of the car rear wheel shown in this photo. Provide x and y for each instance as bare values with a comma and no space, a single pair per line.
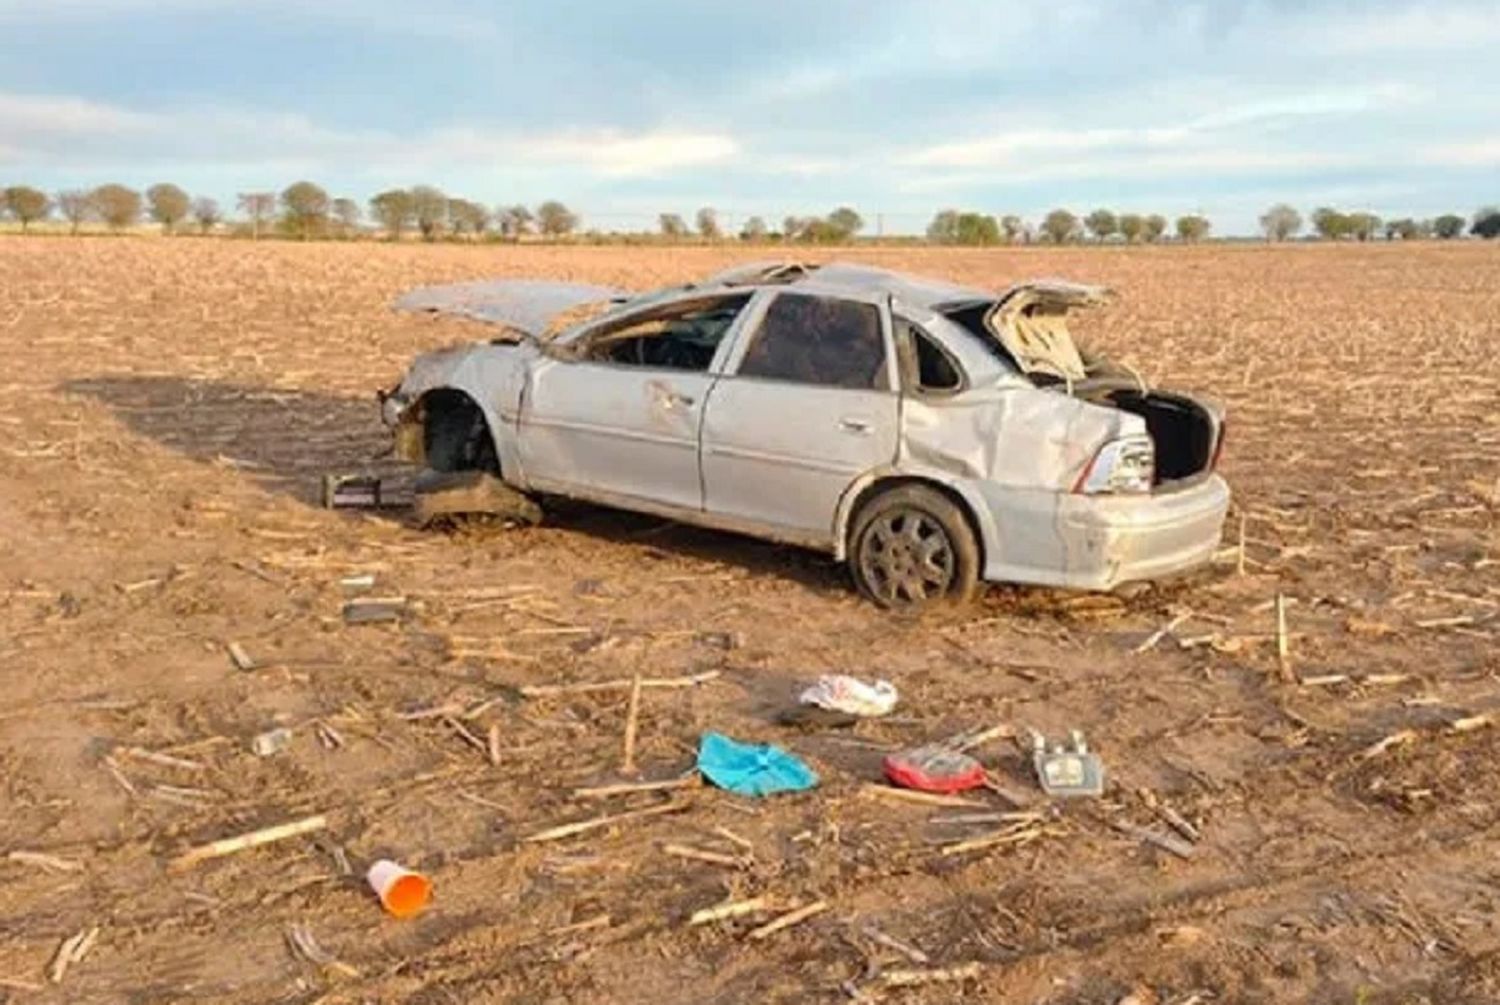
912,547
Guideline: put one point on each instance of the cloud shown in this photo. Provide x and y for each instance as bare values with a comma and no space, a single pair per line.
1483,153
73,130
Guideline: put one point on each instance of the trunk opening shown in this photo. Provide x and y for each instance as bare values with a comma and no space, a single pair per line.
1183,431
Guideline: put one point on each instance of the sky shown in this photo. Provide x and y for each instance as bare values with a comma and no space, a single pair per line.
899,108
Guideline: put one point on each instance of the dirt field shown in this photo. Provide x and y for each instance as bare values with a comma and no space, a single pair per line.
167,409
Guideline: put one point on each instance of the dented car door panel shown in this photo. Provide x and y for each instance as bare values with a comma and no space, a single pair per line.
623,430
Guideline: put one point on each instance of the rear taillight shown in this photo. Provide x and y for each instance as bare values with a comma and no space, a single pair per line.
1124,465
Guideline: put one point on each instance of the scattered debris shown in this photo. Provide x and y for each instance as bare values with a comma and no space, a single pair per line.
1398,739
878,937
906,978
1283,644
1470,722
626,788
787,920
1062,771
925,798
702,855
43,861
632,721
934,768
622,684
299,938
272,741
352,492
1165,842
1161,633
357,584
752,769
461,493
402,893
254,839
729,909
373,610
594,823
850,695
72,951
1026,828
241,659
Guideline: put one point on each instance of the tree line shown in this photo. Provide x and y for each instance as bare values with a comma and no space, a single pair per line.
1282,223
305,210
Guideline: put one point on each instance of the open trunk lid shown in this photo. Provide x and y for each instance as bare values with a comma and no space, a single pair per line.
1030,320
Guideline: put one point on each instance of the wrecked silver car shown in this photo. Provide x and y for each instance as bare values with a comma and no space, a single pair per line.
930,435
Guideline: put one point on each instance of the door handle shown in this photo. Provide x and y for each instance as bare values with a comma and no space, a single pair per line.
670,398
857,426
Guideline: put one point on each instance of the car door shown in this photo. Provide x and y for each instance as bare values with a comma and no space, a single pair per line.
808,404
619,431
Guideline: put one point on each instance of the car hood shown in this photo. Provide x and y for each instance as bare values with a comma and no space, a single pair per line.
530,306
1030,321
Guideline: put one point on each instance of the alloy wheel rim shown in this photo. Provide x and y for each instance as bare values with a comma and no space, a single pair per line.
906,558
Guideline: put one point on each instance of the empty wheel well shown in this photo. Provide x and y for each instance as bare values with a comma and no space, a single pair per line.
455,435
875,488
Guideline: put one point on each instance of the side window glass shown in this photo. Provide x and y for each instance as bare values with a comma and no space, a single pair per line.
925,366
819,340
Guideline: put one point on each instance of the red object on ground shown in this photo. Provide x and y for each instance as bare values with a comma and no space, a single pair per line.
934,769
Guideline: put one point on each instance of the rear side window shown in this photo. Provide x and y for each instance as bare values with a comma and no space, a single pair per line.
925,366
819,340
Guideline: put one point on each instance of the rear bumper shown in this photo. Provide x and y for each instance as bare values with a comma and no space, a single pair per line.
1109,540
1097,542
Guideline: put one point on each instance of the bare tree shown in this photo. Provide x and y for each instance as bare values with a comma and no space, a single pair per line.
26,204
118,206
708,223
258,207
671,226
346,212
513,221
1405,229
168,205
1280,222
304,209
1060,226
555,220
1363,225
206,212
792,228
1193,227
468,217
392,209
1015,229
754,230
1102,224
430,208
77,206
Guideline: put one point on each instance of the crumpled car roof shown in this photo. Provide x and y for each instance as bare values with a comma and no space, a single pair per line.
527,305
534,306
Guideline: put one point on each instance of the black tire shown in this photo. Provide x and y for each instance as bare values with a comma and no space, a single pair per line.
911,547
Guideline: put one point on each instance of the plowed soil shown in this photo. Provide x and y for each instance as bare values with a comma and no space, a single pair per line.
168,408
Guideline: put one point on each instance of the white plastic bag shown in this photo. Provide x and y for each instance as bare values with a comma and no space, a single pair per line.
850,695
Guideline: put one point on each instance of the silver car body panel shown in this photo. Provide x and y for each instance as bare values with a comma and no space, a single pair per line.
791,461
526,305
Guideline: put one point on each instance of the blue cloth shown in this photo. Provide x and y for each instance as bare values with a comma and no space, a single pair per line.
752,769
